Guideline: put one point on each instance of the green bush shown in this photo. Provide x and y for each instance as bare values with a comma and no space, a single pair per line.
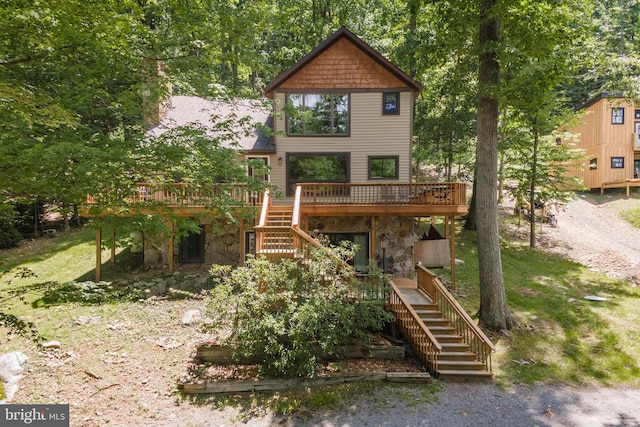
290,313
9,234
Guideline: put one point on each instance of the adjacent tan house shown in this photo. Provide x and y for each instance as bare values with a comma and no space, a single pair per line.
609,133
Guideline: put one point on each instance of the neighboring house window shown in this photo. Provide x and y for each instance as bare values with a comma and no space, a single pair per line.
360,261
617,116
593,164
383,167
318,114
391,103
617,163
316,167
192,247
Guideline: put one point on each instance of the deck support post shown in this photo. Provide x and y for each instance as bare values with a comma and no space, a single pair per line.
171,248
372,249
452,246
98,252
242,248
113,246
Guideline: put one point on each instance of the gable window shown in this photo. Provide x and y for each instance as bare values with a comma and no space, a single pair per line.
593,164
381,167
316,167
391,103
192,247
617,163
617,116
318,114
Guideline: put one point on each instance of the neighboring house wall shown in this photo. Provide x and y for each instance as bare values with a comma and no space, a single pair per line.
607,144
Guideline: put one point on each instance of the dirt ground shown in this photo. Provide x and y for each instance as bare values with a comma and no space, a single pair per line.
121,367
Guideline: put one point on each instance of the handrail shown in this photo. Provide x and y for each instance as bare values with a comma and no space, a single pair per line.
266,203
295,219
465,327
422,340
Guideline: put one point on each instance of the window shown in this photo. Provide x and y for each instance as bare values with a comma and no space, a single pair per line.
383,167
318,114
637,114
316,167
593,164
391,103
360,261
258,168
617,116
617,163
192,247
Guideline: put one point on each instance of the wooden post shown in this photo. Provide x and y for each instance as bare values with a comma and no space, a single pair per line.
452,246
242,248
98,252
113,247
372,249
171,248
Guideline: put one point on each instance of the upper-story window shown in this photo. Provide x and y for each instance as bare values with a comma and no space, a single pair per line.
318,114
617,116
391,103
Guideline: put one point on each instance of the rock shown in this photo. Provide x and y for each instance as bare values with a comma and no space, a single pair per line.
192,317
571,300
52,344
87,320
11,367
533,317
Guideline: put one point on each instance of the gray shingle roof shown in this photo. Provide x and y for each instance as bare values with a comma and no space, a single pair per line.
253,115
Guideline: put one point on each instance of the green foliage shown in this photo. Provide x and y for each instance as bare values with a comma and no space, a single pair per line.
291,313
9,234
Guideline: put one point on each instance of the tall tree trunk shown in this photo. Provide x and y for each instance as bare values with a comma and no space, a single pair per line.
532,190
494,312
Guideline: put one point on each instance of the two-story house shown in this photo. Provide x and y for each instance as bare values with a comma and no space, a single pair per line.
609,133
340,153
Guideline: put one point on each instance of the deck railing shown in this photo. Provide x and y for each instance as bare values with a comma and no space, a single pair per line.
179,194
470,332
425,345
423,193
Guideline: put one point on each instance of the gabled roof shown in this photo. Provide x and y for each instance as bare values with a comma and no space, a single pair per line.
602,95
343,32
248,116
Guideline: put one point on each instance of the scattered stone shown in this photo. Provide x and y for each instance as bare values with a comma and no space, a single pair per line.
11,367
571,300
595,298
192,317
87,320
52,344
168,343
533,317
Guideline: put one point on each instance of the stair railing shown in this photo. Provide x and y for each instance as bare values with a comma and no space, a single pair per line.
413,328
469,330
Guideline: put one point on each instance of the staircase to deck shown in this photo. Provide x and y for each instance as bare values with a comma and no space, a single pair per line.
441,333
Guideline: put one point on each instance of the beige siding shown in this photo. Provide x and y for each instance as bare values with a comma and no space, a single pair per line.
372,133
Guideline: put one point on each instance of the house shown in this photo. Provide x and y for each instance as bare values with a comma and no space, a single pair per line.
609,133
339,152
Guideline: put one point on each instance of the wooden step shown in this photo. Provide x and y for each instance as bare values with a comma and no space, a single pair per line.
433,322
453,374
457,356
460,365
445,329
448,338
425,307
456,347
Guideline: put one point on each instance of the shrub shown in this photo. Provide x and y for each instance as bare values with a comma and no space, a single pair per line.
290,313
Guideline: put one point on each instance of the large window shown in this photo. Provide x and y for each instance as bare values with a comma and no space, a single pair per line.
617,116
316,167
360,261
383,167
318,114
192,247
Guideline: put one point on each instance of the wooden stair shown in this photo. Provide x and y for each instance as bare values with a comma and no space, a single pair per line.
456,361
277,241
